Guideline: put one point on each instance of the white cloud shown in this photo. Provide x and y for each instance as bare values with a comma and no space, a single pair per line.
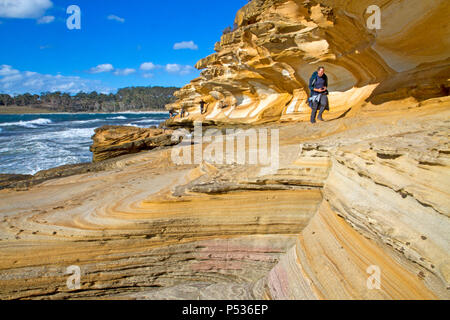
13,81
102,68
173,68
107,67
185,45
6,70
170,68
116,18
177,68
6,81
24,8
65,87
124,72
146,66
46,19
187,70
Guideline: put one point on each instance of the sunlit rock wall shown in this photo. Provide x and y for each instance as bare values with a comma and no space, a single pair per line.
260,71
385,209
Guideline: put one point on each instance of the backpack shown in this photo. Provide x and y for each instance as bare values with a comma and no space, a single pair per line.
313,83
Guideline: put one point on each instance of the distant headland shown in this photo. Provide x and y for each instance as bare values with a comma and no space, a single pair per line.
134,99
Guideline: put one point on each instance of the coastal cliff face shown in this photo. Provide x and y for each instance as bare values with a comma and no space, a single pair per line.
364,194
260,71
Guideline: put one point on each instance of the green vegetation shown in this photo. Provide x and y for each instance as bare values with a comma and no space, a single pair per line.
126,99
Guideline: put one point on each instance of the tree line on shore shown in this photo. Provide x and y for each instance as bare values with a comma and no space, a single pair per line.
126,99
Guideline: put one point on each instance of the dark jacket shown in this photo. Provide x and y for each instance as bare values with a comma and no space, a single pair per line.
312,83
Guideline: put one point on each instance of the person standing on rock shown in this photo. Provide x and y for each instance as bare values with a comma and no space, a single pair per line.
318,84
202,106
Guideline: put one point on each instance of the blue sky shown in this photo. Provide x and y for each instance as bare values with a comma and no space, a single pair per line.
121,43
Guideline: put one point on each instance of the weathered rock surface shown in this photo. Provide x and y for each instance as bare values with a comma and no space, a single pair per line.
386,204
349,194
366,192
23,182
113,141
8,180
261,70
130,233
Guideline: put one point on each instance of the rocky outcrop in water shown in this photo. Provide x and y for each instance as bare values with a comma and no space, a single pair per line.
114,141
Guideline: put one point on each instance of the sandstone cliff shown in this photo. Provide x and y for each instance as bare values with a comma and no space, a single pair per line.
260,71
366,191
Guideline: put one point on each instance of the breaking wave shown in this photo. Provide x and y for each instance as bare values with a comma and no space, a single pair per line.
28,124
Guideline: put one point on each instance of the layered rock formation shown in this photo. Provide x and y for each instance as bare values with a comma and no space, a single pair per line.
365,193
348,195
143,227
114,141
260,71
386,204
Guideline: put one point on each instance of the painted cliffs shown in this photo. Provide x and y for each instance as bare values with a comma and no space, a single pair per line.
260,71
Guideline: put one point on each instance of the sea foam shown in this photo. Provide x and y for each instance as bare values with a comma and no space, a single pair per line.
28,124
117,118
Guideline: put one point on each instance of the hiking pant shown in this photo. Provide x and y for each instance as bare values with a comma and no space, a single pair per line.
316,106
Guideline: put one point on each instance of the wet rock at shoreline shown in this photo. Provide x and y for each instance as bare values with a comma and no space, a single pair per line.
6,180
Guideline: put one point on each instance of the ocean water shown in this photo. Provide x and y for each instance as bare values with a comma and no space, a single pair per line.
33,142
